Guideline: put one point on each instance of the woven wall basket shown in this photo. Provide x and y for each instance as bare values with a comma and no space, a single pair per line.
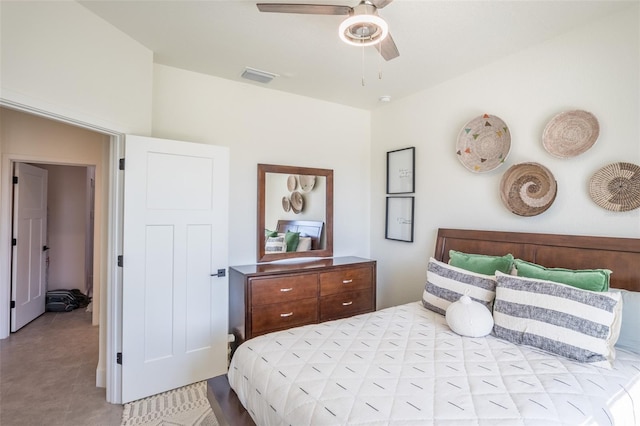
483,143
616,187
570,133
528,189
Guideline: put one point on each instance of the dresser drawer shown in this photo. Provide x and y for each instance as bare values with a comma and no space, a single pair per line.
283,288
284,315
347,279
346,304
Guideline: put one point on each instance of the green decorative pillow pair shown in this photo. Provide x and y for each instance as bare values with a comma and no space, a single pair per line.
480,263
586,279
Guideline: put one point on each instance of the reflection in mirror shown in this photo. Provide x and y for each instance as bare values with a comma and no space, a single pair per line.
295,212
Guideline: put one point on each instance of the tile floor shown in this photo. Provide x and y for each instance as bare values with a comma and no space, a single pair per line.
47,374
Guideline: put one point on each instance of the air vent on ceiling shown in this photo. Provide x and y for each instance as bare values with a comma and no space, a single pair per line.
258,75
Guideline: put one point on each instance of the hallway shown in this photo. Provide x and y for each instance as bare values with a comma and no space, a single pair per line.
47,374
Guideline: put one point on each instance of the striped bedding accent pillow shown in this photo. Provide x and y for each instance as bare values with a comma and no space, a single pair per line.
578,324
275,245
446,284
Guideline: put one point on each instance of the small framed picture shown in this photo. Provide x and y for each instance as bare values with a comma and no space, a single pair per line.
400,171
399,222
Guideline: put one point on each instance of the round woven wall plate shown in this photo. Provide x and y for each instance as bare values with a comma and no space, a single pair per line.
528,189
286,203
570,133
297,202
616,187
483,143
292,183
307,182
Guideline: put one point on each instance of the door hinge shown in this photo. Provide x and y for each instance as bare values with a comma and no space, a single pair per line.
13,304
120,261
121,166
14,242
15,179
119,358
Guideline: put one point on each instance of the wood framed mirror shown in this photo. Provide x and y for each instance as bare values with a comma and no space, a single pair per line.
294,200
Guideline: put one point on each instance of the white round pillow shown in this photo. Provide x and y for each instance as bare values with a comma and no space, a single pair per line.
469,318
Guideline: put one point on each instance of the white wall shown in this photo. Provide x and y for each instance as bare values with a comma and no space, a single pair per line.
59,57
271,127
66,225
595,68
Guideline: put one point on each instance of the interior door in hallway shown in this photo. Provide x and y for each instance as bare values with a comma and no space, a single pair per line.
174,312
28,274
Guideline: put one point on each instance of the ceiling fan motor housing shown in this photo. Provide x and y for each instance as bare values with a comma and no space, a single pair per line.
363,27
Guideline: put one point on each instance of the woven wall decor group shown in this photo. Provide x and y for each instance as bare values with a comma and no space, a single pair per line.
528,189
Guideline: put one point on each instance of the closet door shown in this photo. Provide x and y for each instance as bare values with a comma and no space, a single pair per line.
174,310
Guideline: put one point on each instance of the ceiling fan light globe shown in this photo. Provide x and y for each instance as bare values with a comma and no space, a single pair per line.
363,30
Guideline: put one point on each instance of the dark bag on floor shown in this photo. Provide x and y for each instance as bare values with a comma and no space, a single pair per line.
81,299
65,300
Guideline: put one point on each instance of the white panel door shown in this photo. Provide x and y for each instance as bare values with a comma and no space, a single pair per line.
28,275
174,312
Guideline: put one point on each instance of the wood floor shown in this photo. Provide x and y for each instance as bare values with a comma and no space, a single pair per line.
47,374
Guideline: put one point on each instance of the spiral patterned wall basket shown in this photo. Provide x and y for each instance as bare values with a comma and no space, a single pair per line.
528,189
570,133
483,143
616,187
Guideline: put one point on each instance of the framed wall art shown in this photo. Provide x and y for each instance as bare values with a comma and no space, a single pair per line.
400,171
399,221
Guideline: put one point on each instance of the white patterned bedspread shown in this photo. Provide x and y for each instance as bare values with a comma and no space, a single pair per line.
404,366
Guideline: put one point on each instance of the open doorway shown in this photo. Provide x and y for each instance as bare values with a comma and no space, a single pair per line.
30,138
53,234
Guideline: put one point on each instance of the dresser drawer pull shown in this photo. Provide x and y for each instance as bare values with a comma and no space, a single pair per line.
284,290
347,303
347,281
288,314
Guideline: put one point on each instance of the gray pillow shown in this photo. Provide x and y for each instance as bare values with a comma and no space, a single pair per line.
629,330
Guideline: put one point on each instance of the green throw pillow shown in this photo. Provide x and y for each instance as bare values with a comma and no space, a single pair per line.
481,263
268,233
292,239
586,279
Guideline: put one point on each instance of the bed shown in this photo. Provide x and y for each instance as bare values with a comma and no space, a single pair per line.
404,364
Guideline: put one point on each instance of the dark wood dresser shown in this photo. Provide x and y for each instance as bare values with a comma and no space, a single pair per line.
275,296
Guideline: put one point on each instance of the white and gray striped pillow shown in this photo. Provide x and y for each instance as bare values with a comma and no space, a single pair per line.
578,324
446,284
275,245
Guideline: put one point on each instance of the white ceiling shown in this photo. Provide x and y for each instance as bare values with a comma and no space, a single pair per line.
437,40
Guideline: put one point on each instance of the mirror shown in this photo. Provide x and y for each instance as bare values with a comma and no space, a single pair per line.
294,200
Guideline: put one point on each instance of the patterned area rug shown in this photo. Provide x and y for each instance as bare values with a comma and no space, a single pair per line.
185,406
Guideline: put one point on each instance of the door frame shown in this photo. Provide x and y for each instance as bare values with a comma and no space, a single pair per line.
108,373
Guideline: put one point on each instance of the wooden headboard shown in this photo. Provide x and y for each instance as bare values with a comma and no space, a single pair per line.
306,228
620,255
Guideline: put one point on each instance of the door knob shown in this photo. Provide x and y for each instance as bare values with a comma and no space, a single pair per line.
221,273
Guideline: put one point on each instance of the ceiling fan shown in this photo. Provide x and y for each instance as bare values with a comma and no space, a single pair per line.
363,27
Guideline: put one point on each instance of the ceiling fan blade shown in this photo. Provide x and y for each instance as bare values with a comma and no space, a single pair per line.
311,9
379,4
387,48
